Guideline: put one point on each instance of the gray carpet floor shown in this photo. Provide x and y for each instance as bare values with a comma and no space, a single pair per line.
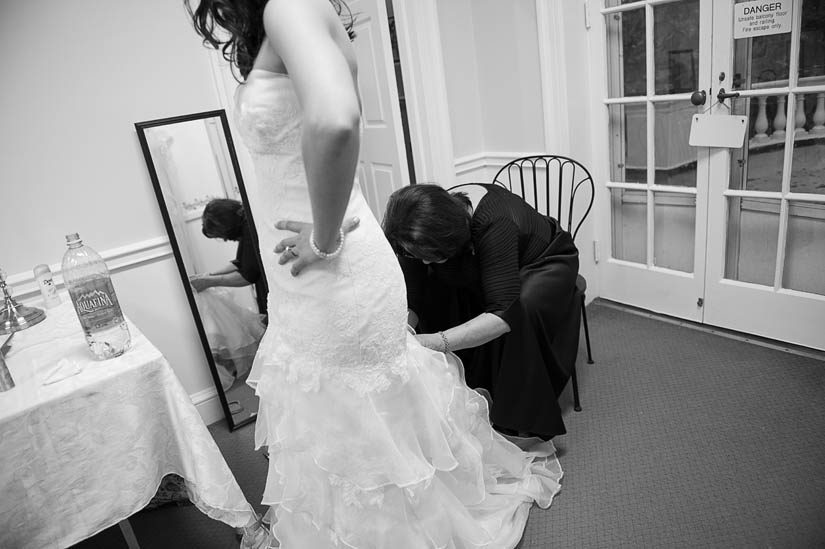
686,439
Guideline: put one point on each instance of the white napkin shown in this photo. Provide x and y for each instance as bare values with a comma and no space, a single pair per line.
64,368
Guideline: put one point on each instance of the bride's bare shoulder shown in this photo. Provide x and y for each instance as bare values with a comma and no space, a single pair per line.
305,25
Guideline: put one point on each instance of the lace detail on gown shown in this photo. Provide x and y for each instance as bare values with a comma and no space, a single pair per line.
374,440
343,320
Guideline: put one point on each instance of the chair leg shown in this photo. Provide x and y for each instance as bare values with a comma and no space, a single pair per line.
586,333
576,405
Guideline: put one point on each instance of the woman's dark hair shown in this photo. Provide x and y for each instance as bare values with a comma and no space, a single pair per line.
223,218
244,21
428,222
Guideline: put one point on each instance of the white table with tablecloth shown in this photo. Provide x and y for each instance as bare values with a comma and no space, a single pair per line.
89,449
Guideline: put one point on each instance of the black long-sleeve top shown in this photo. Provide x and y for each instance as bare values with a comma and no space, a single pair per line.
247,262
507,234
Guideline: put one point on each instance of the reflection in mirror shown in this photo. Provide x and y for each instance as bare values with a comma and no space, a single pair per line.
197,179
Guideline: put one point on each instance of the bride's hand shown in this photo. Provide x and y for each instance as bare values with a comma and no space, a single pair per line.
296,249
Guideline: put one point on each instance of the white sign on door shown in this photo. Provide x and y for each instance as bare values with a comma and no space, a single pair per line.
762,17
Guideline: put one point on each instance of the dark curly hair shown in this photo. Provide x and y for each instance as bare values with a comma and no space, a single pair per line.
428,222
243,20
223,218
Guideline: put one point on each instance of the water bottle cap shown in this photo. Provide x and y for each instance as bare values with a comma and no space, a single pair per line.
41,269
72,238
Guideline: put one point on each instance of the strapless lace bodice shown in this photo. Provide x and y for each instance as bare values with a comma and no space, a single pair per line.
269,115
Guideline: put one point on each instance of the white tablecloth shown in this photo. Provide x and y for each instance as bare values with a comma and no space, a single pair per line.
79,455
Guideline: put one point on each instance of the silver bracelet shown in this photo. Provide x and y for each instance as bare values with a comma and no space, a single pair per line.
326,255
446,342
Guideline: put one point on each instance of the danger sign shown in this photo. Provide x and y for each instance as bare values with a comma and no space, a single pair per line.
762,17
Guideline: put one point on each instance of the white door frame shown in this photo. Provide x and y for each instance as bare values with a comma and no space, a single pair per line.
425,90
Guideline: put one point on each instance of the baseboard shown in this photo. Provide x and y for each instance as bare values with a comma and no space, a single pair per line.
208,405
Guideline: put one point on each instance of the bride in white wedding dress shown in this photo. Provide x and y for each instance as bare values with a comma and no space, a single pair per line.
374,440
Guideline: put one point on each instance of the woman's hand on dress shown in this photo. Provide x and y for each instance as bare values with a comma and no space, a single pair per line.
296,249
431,341
199,282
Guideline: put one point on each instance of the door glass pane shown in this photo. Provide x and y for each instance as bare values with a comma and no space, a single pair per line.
629,224
812,41
675,158
628,143
805,249
808,171
761,61
674,228
676,47
753,232
626,53
757,166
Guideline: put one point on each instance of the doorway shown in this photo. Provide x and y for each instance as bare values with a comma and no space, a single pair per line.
727,237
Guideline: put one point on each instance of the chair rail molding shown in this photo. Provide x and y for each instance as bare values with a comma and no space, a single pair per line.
552,63
497,159
117,259
425,89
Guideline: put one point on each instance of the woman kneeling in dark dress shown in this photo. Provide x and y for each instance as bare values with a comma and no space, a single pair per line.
493,280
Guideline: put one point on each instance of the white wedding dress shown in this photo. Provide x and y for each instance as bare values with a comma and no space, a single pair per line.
374,440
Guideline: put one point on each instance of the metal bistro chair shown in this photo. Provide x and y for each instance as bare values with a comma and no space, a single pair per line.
546,180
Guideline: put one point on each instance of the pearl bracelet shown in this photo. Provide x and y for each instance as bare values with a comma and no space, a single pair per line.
327,255
446,342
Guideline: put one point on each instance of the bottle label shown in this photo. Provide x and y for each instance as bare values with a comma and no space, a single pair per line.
96,303
47,288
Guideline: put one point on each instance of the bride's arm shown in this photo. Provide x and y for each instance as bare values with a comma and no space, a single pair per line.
303,34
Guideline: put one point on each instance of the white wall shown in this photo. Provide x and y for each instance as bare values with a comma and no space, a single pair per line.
77,76
493,73
461,75
509,74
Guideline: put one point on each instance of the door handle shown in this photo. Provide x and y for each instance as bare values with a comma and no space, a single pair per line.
698,97
722,95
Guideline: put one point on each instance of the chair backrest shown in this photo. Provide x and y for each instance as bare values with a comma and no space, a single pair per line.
550,180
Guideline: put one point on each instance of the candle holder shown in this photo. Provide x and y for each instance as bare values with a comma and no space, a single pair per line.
13,316
6,381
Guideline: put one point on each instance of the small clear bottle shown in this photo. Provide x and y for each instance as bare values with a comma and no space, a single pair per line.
48,290
95,302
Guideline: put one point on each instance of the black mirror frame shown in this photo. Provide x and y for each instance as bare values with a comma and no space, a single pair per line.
141,128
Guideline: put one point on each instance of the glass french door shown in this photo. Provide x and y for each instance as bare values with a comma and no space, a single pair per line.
728,237
766,267
658,54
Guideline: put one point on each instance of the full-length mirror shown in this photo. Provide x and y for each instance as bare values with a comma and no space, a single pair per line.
197,180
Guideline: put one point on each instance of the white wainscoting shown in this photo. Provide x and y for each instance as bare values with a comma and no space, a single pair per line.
148,263
131,256
482,167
